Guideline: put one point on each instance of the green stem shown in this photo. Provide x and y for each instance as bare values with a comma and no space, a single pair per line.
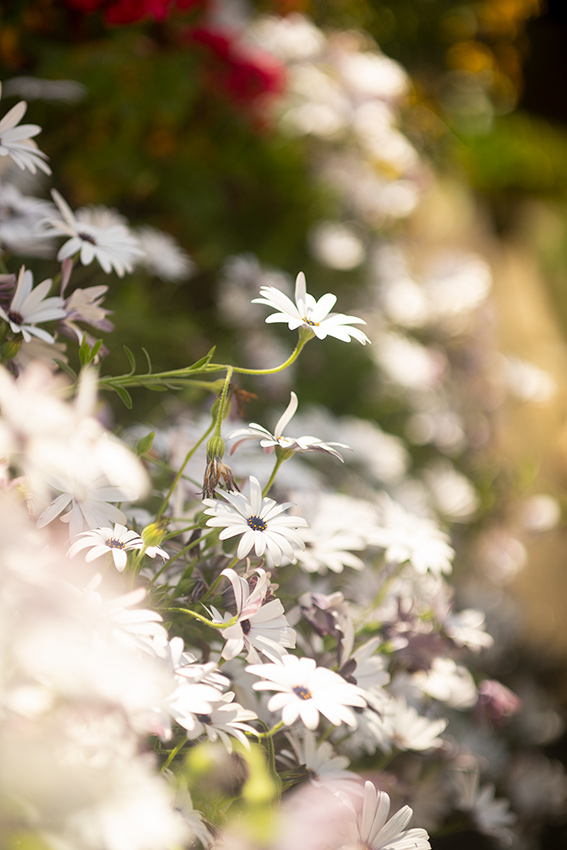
204,620
271,732
304,336
177,478
222,401
173,753
272,477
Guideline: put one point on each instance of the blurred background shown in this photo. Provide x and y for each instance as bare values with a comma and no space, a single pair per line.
373,145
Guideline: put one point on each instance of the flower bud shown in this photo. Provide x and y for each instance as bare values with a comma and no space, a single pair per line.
153,534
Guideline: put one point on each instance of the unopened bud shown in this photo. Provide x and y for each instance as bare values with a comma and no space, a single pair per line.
153,534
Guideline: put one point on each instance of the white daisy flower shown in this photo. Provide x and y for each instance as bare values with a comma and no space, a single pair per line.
224,719
414,731
88,503
261,626
310,314
95,234
324,768
259,521
162,256
491,815
269,441
117,541
407,537
17,143
372,830
30,305
306,691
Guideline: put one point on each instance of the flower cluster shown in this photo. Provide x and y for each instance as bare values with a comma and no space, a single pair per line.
304,621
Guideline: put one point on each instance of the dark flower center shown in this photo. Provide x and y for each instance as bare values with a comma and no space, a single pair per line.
245,626
205,719
112,543
87,237
256,523
15,317
302,692
310,322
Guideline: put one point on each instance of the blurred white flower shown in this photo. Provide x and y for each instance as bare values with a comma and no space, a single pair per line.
89,503
406,537
324,768
339,525
414,731
162,256
95,234
490,815
225,719
312,315
336,245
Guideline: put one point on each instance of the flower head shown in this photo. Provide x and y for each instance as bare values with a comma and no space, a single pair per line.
29,306
225,718
17,143
95,234
314,316
261,625
372,830
259,521
306,691
117,541
269,441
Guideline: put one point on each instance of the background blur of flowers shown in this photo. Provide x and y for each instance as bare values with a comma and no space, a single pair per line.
408,155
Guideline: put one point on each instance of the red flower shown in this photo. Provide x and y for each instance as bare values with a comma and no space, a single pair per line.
243,75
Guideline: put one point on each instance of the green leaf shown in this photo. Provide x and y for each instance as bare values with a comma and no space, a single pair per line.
148,361
131,359
145,444
88,354
125,396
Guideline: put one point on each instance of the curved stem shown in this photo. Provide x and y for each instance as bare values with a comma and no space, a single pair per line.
303,338
271,732
173,753
177,478
272,477
204,620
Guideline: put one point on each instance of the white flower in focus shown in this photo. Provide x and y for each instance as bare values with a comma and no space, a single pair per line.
94,235
225,718
29,306
17,143
116,541
406,537
314,316
162,256
372,830
305,691
269,441
261,625
259,521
